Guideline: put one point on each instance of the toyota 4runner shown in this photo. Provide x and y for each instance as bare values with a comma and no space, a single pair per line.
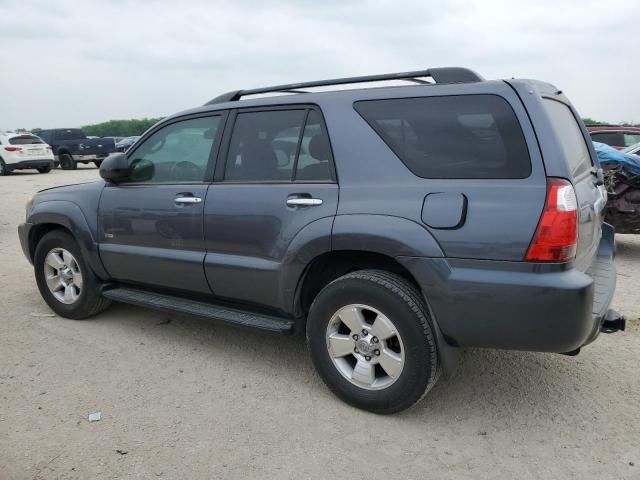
391,225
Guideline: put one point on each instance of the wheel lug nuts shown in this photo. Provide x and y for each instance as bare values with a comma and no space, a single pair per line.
367,358
355,336
365,332
356,350
374,339
377,352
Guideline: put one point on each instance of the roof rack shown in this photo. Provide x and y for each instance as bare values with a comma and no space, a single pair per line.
438,75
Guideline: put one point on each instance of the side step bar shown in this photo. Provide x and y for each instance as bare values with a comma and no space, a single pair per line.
231,316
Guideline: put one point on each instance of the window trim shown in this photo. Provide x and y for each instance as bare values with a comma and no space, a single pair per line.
226,142
213,154
515,115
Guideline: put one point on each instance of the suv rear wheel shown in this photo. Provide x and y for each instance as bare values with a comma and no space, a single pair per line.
65,281
46,169
372,342
3,168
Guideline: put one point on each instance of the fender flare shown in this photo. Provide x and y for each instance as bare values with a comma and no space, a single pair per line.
69,215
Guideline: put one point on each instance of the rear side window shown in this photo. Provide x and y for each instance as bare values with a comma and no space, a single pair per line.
570,136
631,139
278,146
25,140
70,134
465,136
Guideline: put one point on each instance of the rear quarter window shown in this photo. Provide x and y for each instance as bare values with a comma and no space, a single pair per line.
464,136
572,141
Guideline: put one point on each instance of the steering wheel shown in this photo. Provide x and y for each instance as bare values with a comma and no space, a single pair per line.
186,171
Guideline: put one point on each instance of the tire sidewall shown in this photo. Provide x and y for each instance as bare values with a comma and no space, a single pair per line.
420,356
59,239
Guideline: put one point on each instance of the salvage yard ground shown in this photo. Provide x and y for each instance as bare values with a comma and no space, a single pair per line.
182,398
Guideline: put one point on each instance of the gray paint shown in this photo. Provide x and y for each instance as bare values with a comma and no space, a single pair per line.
244,244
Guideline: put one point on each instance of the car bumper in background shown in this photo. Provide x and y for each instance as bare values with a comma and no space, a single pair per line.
518,305
90,158
35,163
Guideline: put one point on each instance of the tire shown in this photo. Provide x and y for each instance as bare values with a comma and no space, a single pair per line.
44,169
88,300
3,169
67,162
390,299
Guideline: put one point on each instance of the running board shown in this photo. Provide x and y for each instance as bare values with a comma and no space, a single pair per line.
231,316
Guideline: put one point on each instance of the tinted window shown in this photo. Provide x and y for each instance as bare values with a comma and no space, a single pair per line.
263,146
176,153
315,152
615,139
470,136
570,136
70,134
25,140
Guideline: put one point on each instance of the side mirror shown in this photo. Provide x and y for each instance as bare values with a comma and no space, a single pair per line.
115,168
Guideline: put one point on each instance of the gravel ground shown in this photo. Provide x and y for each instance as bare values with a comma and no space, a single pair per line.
188,399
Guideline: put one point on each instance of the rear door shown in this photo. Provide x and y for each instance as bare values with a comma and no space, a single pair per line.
582,173
274,178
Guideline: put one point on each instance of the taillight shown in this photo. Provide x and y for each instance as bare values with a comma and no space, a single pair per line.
556,238
12,149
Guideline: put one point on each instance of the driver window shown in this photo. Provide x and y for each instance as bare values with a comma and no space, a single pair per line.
177,153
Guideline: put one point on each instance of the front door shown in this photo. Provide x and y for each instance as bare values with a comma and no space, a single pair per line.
276,180
151,226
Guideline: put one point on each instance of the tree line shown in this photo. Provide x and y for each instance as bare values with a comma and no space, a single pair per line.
120,128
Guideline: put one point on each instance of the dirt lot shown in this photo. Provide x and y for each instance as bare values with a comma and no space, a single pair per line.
188,399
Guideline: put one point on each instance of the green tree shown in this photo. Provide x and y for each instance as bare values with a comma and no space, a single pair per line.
120,128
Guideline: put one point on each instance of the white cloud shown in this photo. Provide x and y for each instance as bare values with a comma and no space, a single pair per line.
77,62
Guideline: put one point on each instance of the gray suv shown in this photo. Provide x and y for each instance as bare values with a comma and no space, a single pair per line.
392,226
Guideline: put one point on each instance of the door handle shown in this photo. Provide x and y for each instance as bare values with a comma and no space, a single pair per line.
303,202
187,200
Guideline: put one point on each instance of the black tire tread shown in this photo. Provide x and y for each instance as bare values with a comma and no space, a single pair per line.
412,297
96,302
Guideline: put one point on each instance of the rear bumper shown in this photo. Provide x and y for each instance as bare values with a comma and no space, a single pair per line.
35,163
517,305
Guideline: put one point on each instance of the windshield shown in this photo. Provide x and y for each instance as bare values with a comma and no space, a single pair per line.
633,149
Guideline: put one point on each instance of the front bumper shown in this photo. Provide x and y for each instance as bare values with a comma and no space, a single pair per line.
23,233
31,163
518,305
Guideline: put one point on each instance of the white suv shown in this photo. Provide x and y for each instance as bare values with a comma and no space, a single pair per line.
19,151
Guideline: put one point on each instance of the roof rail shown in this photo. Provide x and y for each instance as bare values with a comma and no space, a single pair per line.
438,75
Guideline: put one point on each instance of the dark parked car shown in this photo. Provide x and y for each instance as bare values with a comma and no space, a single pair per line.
616,136
71,145
126,143
391,225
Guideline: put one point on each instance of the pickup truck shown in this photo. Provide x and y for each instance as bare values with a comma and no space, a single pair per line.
71,145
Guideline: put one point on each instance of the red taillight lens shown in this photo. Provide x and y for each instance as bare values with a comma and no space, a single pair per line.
12,149
556,237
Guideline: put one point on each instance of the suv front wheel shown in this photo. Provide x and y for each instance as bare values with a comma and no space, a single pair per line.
372,342
64,279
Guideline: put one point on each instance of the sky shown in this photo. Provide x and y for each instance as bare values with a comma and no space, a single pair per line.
67,63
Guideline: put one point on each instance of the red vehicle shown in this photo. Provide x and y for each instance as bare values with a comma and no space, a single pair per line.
614,135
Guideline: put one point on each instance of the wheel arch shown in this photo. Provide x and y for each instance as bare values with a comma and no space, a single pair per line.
60,214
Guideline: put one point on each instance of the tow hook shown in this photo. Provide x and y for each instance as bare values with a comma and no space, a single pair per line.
613,322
